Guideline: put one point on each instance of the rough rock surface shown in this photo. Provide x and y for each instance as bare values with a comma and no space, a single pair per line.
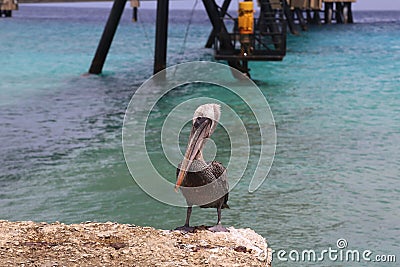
113,244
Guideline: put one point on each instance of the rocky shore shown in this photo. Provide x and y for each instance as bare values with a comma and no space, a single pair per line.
112,244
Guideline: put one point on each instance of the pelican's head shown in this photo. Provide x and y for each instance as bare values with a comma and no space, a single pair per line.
205,121
212,112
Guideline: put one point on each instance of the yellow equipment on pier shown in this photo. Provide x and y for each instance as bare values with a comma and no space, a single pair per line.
246,17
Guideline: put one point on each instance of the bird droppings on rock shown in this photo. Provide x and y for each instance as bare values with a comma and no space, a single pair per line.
112,244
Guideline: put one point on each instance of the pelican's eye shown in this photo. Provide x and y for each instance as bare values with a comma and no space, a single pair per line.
197,122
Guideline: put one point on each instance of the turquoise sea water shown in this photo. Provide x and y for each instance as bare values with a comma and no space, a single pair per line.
335,99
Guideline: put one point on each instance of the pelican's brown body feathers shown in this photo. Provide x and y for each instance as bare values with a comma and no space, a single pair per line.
201,174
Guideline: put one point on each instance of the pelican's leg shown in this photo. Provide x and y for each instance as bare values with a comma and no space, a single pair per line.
186,227
218,227
219,215
188,213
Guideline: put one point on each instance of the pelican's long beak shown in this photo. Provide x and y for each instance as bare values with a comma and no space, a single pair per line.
200,131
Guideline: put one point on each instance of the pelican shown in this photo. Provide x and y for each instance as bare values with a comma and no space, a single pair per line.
202,183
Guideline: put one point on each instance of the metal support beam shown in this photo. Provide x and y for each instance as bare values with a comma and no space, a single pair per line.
267,14
339,12
289,17
300,17
221,31
328,12
224,8
107,37
347,13
309,16
218,25
350,12
160,53
316,18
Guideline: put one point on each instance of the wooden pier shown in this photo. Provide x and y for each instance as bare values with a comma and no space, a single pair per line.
261,38
255,31
304,12
7,6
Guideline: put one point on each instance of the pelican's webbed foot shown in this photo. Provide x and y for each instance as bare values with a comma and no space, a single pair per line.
185,229
218,228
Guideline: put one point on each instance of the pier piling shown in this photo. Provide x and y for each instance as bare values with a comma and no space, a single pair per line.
339,12
328,12
107,37
160,53
289,14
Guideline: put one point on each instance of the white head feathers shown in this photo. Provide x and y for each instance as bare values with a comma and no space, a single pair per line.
211,111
